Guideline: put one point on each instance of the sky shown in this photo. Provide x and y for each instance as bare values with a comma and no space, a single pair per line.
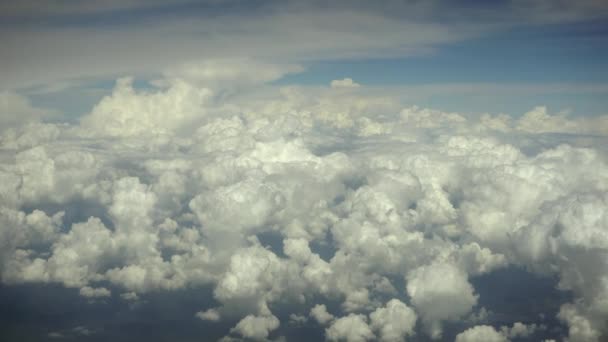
231,170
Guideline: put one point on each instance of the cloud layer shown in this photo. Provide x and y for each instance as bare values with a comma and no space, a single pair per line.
337,203
58,40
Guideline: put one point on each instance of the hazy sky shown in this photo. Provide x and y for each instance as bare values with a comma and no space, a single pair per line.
304,170
556,48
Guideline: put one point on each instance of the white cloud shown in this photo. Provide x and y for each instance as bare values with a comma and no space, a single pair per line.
296,34
256,327
297,319
393,322
91,292
481,333
29,135
320,314
209,315
129,113
351,328
292,30
306,197
520,330
440,292
226,72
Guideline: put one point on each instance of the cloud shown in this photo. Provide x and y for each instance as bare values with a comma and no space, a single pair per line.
126,113
440,292
480,333
352,328
520,330
76,332
293,34
240,72
209,315
344,83
394,322
59,41
90,292
297,201
256,327
320,314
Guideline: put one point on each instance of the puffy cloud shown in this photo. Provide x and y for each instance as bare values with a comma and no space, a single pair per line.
28,135
538,121
352,328
440,292
244,205
520,330
209,315
297,319
320,314
256,327
127,112
477,260
569,235
480,333
303,200
581,327
427,118
79,255
37,173
394,321
90,292
250,279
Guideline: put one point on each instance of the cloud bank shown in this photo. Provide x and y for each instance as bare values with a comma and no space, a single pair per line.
50,41
337,204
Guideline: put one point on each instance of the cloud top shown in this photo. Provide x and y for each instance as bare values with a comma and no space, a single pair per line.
370,217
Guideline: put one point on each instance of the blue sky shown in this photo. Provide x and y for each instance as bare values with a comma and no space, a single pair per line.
571,54
545,45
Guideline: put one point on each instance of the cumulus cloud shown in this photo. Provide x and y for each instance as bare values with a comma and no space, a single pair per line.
127,112
480,333
520,330
90,292
320,314
256,327
352,328
209,315
440,292
307,199
394,321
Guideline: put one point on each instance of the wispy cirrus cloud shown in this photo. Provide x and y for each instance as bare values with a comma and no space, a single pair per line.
65,40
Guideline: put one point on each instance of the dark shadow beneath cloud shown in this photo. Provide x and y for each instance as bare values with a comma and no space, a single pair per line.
514,295
37,312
